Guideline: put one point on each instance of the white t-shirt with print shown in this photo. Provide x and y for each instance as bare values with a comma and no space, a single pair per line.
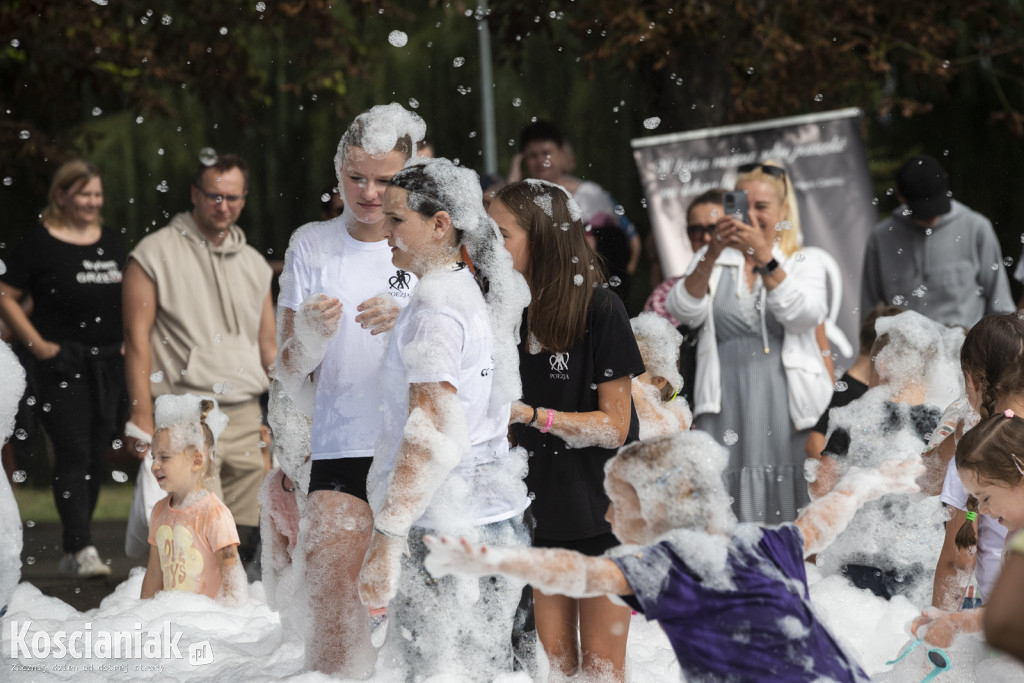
323,258
443,335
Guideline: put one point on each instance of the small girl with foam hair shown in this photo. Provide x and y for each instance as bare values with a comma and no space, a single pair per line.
732,598
192,536
659,405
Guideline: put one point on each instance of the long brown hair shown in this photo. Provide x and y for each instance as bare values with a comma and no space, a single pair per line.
993,356
72,175
562,270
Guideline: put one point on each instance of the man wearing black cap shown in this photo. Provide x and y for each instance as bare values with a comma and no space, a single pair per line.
934,255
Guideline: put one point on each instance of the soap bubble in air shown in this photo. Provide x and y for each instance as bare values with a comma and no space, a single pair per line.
730,437
207,156
652,123
19,476
398,38
119,476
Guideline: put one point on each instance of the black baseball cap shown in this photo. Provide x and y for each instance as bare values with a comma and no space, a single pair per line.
923,185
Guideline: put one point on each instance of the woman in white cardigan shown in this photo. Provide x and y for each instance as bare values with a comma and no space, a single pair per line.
761,380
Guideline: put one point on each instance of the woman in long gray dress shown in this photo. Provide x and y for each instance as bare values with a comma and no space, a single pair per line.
761,381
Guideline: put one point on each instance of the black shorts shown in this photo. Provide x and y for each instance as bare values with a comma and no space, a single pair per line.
594,546
345,475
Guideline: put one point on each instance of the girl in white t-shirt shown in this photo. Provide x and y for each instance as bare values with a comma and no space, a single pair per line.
443,460
339,291
992,360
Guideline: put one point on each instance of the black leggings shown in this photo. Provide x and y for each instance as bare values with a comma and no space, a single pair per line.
80,401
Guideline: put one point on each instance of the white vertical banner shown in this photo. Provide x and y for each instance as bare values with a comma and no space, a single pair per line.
826,162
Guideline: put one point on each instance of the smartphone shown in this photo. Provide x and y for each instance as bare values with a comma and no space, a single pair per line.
737,206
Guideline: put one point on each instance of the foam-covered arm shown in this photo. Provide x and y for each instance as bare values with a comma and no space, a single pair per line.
434,440
378,314
304,337
954,567
606,427
827,517
939,627
233,585
551,570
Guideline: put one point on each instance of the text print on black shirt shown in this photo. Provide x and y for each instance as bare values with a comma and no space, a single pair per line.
99,272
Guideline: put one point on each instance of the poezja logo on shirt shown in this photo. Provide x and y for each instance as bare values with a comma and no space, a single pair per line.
399,281
559,362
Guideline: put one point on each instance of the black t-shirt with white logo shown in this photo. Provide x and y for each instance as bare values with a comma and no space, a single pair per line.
568,483
76,289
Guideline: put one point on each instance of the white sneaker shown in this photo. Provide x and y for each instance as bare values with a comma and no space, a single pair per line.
84,564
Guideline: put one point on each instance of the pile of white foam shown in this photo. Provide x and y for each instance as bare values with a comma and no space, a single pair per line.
12,382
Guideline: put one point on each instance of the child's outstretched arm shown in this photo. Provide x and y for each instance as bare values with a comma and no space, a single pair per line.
154,578
551,570
233,585
826,517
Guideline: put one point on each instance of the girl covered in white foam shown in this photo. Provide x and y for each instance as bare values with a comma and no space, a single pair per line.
339,292
192,536
443,459
732,598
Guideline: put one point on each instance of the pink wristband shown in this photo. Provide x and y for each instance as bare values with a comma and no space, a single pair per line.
547,424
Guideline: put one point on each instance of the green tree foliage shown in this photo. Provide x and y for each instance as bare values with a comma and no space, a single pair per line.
80,77
140,91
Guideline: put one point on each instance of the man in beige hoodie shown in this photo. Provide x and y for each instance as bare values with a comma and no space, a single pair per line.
198,317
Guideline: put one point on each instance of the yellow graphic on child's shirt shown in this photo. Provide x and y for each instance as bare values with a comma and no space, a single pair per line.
181,563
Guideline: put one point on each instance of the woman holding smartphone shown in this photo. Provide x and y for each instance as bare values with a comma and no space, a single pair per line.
761,381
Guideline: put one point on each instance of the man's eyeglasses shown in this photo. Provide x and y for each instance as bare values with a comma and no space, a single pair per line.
695,230
217,198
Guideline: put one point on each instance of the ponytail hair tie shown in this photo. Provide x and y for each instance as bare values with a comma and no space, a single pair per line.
971,516
1008,412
